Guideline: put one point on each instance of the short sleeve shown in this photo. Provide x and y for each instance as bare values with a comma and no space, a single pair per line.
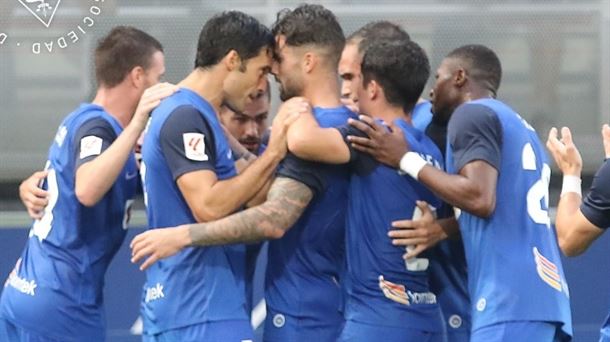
360,163
475,133
310,173
187,142
596,206
92,138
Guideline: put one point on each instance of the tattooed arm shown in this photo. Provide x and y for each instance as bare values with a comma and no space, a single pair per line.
286,201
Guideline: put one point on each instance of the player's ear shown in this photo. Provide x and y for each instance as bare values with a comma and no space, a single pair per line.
309,62
231,60
460,77
137,77
373,90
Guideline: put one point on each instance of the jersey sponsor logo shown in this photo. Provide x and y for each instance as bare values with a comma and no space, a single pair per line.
90,146
455,321
547,271
154,293
20,284
400,294
279,320
194,146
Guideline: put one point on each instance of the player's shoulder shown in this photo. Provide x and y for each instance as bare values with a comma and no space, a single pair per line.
333,117
473,111
473,118
89,117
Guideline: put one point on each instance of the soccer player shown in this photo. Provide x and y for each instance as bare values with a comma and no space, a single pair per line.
306,259
351,60
448,276
55,291
249,125
189,176
498,176
386,295
580,222
351,56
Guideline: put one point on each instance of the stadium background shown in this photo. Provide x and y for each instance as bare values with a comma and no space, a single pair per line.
555,55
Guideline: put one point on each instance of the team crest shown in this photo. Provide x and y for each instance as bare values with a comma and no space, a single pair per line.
43,10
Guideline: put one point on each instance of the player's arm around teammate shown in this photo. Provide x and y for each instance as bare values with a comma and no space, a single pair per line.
93,179
307,140
473,189
210,198
579,222
32,196
388,147
286,200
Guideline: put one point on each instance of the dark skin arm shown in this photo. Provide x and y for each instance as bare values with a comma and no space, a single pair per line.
385,146
473,189
424,232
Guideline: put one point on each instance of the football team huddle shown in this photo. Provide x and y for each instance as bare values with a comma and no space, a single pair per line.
388,216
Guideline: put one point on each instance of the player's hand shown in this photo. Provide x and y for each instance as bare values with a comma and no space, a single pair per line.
422,233
564,152
33,197
149,100
387,147
287,114
157,244
606,139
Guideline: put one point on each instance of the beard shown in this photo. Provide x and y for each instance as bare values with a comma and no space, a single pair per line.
288,90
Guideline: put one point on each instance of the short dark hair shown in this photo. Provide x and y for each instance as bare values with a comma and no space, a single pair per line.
375,31
484,66
121,50
311,25
400,67
231,30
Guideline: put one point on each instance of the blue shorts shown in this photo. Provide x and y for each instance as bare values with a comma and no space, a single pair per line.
355,331
520,331
14,333
229,331
280,327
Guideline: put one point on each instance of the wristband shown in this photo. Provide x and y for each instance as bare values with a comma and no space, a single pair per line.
571,184
412,163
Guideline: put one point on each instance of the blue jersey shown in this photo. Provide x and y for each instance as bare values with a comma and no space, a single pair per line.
448,278
421,115
383,289
514,266
304,266
202,284
56,287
